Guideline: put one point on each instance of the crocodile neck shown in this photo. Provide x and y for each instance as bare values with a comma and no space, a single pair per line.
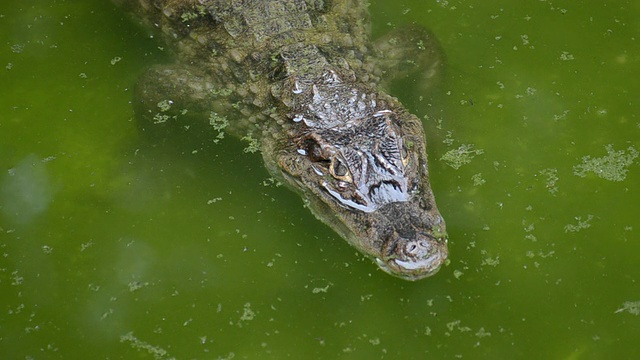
289,40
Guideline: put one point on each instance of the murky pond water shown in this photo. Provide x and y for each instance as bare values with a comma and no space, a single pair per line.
115,246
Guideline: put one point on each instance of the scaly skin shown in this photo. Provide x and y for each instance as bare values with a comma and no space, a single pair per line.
301,77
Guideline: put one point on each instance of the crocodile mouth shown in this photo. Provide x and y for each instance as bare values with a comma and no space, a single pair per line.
403,239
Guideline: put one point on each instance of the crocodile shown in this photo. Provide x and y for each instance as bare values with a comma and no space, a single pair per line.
304,82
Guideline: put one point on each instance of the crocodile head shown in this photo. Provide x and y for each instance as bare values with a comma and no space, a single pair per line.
361,165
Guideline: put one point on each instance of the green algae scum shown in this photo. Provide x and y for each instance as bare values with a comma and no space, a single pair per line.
119,245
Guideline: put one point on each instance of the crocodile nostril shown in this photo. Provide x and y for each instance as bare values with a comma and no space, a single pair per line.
416,248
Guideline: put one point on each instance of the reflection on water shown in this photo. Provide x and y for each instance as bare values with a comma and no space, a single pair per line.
120,246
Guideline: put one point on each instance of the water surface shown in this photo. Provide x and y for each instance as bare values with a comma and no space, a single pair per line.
120,247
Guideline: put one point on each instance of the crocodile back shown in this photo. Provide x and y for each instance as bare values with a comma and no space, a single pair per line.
257,24
258,21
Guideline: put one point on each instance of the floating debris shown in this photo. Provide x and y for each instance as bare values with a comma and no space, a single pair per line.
157,352
582,224
17,48
116,60
565,56
632,307
247,314
254,144
219,123
165,105
551,176
490,261
318,290
478,180
460,156
137,285
214,200
612,167
482,333
457,274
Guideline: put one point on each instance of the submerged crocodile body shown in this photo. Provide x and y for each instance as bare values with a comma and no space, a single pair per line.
303,80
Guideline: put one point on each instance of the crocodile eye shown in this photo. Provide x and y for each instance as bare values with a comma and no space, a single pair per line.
314,151
339,170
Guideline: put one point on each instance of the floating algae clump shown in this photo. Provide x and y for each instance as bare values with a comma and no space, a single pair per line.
632,307
613,166
460,156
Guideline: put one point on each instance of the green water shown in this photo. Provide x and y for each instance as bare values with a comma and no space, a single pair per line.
115,247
